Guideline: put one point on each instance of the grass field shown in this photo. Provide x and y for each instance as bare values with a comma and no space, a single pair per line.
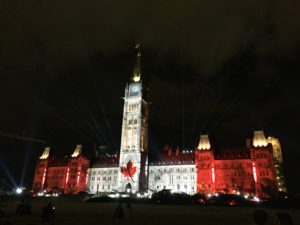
76,212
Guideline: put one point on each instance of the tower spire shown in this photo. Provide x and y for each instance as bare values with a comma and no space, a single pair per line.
136,75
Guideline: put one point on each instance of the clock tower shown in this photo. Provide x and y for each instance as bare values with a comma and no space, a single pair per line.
133,162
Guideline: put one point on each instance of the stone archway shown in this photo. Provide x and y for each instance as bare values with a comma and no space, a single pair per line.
128,188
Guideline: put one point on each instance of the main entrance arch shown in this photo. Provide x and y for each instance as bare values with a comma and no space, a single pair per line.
128,187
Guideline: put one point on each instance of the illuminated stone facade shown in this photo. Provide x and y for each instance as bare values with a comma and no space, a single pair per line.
255,169
133,157
61,174
248,170
175,171
278,163
132,166
103,176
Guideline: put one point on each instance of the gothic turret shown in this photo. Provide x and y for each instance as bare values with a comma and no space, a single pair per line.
204,143
77,151
46,153
259,139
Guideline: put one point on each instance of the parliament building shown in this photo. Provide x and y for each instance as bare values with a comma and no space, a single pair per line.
255,169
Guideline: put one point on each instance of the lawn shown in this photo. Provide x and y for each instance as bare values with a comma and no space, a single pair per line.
75,212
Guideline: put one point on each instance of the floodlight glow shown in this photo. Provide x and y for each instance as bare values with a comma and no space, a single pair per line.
19,190
125,196
128,190
256,199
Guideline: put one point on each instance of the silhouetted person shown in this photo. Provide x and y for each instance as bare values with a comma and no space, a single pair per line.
260,217
23,208
119,212
128,206
48,212
283,219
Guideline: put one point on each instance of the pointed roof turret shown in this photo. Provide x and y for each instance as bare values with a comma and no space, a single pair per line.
204,143
136,75
77,151
46,153
259,139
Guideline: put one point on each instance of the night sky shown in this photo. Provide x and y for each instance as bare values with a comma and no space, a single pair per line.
223,68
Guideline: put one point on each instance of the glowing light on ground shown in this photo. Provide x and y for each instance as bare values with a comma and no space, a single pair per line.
19,190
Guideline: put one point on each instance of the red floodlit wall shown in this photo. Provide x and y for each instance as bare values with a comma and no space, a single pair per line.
263,165
77,175
204,164
248,171
40,175
67,175
234,176
55,178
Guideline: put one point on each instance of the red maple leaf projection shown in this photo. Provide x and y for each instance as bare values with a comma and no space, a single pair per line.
128,170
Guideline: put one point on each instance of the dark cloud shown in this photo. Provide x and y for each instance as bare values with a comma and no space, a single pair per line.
211,66
205,34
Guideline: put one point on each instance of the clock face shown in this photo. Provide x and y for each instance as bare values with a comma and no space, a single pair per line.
134,88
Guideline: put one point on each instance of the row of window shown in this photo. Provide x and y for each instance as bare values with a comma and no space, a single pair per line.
177,177
98,188
55,177
132,121
261,155
205,185
104,178
133,128
185,187
232,166
235,174
264,173
201,158
101,172
171,170
233,155
133,107
267,165
227,186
